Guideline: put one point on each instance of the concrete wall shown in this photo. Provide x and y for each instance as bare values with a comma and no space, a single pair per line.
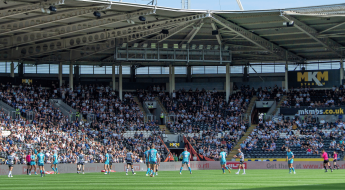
174,166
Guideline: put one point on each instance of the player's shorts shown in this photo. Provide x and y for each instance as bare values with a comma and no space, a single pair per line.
106,163
129,162
28,164
241,162
147,162
55,162
185,162
222,162
290,161
153,162
80,163
10,165
40,164
32,163
110,163
334,160
325,161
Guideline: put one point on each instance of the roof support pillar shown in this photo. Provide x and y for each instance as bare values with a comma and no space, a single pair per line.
113,76
71,75
227,82
60,75
120,82
286,77
341,71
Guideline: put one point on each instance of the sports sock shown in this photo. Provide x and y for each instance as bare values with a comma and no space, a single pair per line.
325,168
132,170
289,169
244,170
9,172
127,170
40,171
190,169
293,169
181,169
56,169
147,171
53,169
223,169
227,167
27,171
156,170
239,170
329,167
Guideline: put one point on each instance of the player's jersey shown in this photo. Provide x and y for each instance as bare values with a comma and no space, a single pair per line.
110,158
289,154
129,156
335,156
10,159
241,155
40,158
33,158
223,158
325,156
80,158
185,156
153,155
55,157
107,158
146,153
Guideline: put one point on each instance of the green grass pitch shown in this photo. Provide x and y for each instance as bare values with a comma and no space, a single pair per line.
200,179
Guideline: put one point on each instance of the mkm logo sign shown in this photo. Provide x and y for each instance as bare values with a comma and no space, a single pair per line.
317,78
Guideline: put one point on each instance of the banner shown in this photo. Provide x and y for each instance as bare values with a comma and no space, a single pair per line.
172,145
313,111
314,79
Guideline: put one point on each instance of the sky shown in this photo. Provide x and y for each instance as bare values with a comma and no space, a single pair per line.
247,4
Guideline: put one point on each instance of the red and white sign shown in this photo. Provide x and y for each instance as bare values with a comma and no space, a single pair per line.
110,171
49,172
235,165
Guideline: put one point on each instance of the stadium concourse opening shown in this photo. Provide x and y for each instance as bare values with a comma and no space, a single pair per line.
90,86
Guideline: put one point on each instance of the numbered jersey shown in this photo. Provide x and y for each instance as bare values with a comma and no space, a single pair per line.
223,156
129,156
40,158
55,158
81,158
289,155
10,159
185,155
153,155
241,156
147,155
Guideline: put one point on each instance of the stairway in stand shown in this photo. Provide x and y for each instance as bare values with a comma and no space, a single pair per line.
162,127
279,104
135,98
237,146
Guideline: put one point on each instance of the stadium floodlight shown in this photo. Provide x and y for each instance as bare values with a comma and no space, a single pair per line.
165,46
201,46
208,47
97,14
226,47
52,8
142,18
145,45
184,46
216,47
124,45
289,24
153,45
175,46
193,46
135,45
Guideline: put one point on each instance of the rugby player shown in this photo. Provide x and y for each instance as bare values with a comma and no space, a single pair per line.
335,158
55,161
129,160
33,163
153,160
223,156
11,160
40,157
185,160
240,155
289,159
158,162
110,160
324,155
28,165
146,159
106,163
80,162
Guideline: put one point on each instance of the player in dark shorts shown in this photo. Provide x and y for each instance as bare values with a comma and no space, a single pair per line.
335,158
11,160
129,160
110,160
324,155
240,155
80,162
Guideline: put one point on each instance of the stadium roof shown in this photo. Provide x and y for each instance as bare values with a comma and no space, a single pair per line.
31,31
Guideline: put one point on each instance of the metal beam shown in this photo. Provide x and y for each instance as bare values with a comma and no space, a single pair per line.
172,32
47,19
26,38
28,8
127,34
331,28
192,33
257,40
326,42
214,27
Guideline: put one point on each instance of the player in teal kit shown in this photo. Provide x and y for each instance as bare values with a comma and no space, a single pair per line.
146,157
40,157
153,160
106,163
55,162
185,160
222,157
289,159
33,163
